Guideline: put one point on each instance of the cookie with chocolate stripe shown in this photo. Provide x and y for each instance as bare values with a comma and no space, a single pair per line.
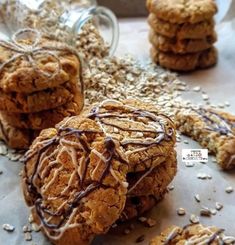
74,180
192,234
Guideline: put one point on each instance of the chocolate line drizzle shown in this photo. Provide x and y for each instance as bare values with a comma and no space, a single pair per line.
224,129
41,210
170,239
60,218
136,114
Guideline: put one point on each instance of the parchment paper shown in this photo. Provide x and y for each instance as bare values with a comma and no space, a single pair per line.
219,82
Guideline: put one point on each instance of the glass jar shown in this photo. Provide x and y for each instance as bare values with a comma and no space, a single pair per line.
62,20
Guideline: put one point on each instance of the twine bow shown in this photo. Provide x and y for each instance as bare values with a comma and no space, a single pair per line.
29,51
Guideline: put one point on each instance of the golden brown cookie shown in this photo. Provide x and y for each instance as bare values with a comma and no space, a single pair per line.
42,100
183,11
147,188
192,234
146,135
43,119
181,46
14,137
75,181
181,31
213,129
185,62
153,181
47,65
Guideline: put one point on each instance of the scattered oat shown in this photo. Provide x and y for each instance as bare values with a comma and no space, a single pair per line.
218,206
205,212
197,197
26,228
221,106
189,164
209,176
229,189
14,156
140,239
1,172
30,219
214,160
35,227
8,227
3,150
197,89
181,211
186,142
213,211
205,97
203,176
27,236
151,222
227,103
194,219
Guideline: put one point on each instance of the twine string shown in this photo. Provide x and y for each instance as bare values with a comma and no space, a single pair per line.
29,51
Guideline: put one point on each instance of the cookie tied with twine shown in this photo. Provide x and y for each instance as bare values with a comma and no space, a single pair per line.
30,63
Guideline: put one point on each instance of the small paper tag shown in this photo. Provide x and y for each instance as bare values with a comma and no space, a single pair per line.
195,155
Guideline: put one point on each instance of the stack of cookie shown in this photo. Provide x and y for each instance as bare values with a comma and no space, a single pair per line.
147,139
182,33
112,162
40,84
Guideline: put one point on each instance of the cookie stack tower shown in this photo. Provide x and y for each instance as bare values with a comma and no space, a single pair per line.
38,88
182,33
112,162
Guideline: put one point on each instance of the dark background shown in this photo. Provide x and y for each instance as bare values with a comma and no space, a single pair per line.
125,8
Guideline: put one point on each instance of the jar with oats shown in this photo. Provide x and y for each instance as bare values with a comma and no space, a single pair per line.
92,29
41,69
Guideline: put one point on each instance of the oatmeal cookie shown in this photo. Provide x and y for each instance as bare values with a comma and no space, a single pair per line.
213,129
146,135
43,119
192,234
183,11
181,46
185,62
26,74
74,180
182,31
38,101
14,137
147,188
153,181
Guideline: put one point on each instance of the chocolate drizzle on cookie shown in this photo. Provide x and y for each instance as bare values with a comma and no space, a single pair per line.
47,155
47,149
216,122
204,236
126,113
